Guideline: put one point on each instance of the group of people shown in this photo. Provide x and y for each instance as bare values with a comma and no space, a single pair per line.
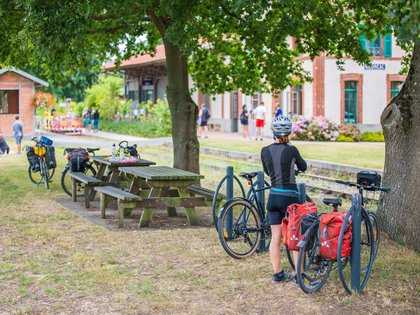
258,114
17,129
91,119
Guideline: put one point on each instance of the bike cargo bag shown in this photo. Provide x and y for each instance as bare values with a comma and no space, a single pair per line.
368,178
291,230
32,159
50,157
78,159
45,141
329,232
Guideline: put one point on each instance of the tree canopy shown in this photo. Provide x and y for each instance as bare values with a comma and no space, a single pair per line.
229,44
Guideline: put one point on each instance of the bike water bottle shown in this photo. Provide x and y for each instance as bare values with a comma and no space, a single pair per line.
114,151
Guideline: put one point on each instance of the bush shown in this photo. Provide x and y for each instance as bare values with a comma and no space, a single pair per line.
344,138
372,137
314,129
350,132
156,123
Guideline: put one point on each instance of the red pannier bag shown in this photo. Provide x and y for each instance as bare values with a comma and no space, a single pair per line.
290,229
329,231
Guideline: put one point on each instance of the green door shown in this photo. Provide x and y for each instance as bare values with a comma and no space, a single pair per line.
350,102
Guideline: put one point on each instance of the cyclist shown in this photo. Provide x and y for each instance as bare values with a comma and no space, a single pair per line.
279,160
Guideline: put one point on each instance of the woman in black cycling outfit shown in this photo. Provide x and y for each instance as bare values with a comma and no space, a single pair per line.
279,161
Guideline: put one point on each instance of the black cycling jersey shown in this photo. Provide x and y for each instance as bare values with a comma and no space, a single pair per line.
279,160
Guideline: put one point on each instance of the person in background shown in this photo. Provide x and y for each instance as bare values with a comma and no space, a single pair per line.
278,112
95,119
244,118
204,116
4,148
259,113
279,160
17,128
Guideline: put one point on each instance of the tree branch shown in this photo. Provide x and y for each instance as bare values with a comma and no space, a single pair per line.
157,21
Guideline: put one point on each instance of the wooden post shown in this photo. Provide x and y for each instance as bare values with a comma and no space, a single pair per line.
74,189
87,196
192,216
102,204
147,214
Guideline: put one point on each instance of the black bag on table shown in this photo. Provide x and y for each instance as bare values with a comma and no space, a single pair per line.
32,159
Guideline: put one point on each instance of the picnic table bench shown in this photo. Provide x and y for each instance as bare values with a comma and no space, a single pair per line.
88,182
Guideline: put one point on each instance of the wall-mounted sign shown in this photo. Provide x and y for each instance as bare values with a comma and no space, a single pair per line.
375,66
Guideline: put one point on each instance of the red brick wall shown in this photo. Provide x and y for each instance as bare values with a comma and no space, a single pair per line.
26,109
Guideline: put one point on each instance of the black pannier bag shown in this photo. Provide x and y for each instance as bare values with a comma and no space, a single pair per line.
50,157
307,221
132,151
32,159
368,179
78,159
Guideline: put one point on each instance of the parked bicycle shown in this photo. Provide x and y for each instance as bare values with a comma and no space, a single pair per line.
42,161
313,266
243,225
78,159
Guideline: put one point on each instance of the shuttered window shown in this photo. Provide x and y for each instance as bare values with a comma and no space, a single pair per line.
350,102
395,88
379,46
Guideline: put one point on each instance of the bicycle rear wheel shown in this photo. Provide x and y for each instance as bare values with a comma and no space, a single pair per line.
36,176
312,271
240,228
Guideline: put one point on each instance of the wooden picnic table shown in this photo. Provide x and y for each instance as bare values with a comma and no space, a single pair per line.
164,187
107,163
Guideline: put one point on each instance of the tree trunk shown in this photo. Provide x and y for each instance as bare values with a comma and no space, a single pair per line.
399,210
183,111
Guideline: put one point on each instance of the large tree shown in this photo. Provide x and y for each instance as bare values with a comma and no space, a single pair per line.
399,209
225,45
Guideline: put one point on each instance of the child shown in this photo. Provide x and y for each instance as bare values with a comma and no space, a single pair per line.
4,148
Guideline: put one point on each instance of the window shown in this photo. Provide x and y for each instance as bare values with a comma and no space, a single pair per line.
350,102
9,102
395,88
379,46
297,106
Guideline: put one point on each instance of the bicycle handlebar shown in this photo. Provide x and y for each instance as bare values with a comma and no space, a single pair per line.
343,182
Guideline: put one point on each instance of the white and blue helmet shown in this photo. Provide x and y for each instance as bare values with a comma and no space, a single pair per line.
281,126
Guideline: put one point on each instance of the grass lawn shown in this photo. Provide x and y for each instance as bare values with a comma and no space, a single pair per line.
52,261
362,154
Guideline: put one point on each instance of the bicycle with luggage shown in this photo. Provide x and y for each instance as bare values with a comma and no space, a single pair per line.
42,162
326,239
78,160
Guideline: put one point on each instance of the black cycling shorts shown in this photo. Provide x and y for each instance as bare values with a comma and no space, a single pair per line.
277,206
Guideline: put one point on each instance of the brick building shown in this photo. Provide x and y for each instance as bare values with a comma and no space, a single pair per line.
17,90
355,94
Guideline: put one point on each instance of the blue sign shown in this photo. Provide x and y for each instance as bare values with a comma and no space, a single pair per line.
375,66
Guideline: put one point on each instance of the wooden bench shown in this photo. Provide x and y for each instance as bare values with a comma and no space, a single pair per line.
205,192
88,182
126,201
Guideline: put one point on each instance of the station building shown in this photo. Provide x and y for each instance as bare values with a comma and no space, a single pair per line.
354,94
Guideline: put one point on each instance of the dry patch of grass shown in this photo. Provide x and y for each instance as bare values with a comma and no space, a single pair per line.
52,261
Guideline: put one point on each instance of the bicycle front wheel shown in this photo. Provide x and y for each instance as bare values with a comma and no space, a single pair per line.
312,271
376,232
44,173
240,228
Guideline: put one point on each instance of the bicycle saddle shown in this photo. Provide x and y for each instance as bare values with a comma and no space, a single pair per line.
90,150
334,202
248,176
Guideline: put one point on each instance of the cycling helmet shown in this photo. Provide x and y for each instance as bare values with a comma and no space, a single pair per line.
281,126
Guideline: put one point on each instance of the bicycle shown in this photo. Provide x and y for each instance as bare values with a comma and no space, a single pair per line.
89,169
39,171
245,226
314,270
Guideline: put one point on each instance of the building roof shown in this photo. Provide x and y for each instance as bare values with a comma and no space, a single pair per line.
140,60
24,74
